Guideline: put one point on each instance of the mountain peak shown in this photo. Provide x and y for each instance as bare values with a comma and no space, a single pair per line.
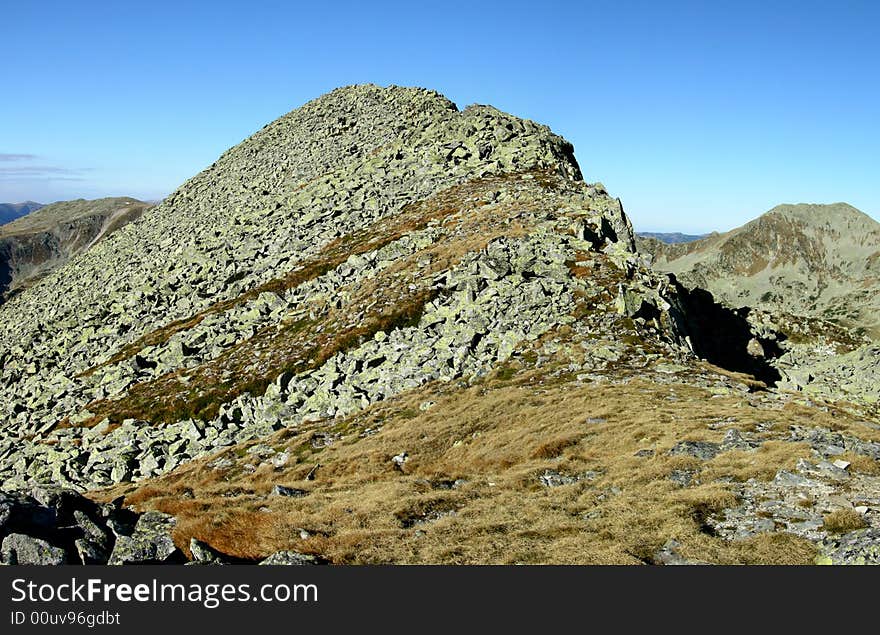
382,304
810,259
812,212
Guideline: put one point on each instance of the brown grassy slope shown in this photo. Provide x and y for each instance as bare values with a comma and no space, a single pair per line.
498,438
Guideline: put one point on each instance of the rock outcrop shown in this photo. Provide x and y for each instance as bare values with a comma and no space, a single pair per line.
53,526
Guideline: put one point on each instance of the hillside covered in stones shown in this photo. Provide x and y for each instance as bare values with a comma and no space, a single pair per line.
383,329
44,239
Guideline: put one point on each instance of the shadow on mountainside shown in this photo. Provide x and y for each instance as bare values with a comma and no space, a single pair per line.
721,336
5,273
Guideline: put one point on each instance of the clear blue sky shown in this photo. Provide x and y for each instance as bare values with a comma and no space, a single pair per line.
699,115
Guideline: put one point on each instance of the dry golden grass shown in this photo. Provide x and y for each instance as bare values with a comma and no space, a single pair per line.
761,464
498,438
842,520
861,464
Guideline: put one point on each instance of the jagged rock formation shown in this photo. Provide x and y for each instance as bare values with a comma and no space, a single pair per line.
43,240
820,261
10,211
373,247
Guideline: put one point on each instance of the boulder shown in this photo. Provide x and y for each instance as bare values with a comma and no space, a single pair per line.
22,549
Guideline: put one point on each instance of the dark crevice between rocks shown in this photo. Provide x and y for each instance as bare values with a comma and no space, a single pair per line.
5,273
721,336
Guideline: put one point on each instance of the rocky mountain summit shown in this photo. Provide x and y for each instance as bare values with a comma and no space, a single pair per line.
383,329
45,239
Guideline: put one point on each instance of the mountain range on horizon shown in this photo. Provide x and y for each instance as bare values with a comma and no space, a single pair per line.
383,329
10,211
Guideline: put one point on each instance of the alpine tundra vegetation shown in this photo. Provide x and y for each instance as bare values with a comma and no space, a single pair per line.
386,330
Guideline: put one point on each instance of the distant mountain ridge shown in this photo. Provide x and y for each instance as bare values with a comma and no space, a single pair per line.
10,211
36,243
671,237
806,259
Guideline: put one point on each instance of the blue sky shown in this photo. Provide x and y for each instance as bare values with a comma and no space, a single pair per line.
698,115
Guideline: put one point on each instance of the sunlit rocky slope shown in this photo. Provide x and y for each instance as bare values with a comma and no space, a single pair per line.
383,329
810,272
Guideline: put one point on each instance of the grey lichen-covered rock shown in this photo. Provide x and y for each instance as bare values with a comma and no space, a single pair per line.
23,549
700,449
21,512
668,555
204,554
288,558
799,503
292,492
149,543
856,547
552,478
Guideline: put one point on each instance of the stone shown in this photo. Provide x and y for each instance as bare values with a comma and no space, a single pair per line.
552,478
292,492
400,459
90,553
203,553
703,450
150,542
20,549
824,469
733,440
859,547
784,477
683,478
668,555
288,558
19,512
